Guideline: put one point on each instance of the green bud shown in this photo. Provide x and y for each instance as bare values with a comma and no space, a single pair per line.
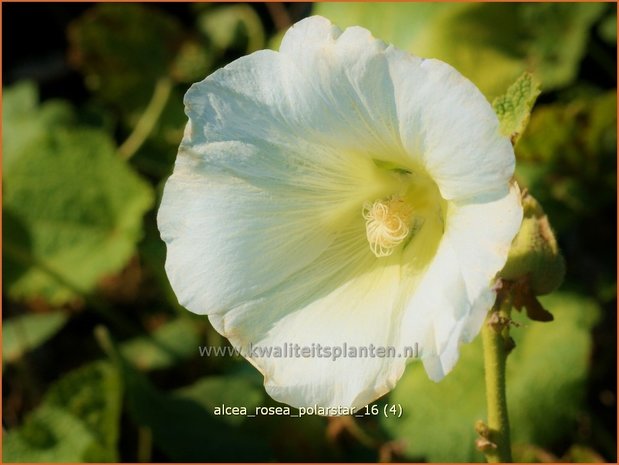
534,254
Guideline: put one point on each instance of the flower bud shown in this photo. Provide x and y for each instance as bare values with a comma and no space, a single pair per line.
534,252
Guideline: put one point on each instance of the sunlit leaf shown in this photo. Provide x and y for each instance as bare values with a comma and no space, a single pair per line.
49,435
491,44
546,379
78,420
74,207
24,333
23,120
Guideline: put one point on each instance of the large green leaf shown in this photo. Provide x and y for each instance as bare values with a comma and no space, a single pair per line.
491,44
49,435
73,208
77,421
24,333
546,376
23,120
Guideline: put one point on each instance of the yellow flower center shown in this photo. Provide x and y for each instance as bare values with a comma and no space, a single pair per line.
388,222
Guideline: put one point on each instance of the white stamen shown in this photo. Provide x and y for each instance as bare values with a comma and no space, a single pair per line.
387,224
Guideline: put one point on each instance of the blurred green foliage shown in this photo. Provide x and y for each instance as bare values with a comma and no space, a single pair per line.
26,332
74,209
167,345
102,364
77,420
123,49
546,379
568,156
491,44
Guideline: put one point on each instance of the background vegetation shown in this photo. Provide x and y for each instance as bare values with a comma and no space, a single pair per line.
99,361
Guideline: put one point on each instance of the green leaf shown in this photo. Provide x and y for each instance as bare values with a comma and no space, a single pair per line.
169,344
48,435
546,381
24,333
23,120
74,208
491,44
93,394
77,421
123,49
514,108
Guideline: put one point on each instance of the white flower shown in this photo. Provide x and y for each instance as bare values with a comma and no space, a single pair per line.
339,191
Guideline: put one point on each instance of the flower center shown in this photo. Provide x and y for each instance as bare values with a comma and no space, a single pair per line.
388,223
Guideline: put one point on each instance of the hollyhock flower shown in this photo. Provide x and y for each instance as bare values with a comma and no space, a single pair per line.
339,191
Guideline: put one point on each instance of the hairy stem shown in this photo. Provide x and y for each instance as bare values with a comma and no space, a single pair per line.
495,336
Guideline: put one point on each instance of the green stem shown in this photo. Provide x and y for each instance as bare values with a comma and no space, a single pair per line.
147,121
495,337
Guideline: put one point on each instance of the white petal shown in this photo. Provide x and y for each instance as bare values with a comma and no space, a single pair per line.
347,75
252,199
492,221
334,91
401,108
227,242
455,294
345,297
232,237
449,127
